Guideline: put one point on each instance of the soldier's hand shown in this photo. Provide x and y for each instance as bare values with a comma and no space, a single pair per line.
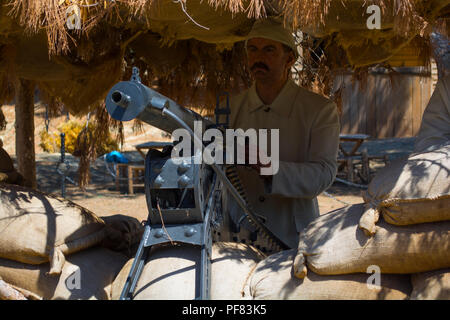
258,165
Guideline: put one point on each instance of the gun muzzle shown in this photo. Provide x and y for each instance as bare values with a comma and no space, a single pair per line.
120,98
129,100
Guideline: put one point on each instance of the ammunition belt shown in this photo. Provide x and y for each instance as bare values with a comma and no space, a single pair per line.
275,244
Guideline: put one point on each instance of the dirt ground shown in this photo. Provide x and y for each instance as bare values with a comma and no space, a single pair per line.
102,198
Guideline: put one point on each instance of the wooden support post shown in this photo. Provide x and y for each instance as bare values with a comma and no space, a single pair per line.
117,177
350,169
130,180
132,173
365,166
386,160
25,153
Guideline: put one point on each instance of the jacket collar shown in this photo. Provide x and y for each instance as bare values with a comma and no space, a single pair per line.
282,104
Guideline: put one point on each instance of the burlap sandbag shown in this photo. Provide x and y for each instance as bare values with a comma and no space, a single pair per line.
333,244
410,191
123,234
36,227
273,279
171,273
87,274
431,285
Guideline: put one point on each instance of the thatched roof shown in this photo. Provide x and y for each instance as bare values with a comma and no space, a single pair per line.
191,49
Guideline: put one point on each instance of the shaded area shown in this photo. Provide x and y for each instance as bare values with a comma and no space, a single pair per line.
394,147
385,105
49,180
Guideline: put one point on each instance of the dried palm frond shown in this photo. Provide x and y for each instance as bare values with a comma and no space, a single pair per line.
201,73
138,126
91,137
305,12
6,78
56,17
234,6
409,17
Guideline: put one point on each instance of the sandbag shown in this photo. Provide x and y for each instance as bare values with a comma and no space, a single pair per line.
8,292
431,285
123,234
171,272
87,274
273,279
334,244
36,227
410,191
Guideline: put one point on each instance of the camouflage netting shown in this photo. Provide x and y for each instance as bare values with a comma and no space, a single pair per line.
191,50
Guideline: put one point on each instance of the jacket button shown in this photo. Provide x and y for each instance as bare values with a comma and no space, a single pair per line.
261,198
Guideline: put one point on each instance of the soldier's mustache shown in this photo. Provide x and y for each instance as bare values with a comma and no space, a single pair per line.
259,65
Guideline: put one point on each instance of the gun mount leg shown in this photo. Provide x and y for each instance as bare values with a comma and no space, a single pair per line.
136,268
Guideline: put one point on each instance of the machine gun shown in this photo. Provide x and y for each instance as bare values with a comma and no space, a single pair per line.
183,197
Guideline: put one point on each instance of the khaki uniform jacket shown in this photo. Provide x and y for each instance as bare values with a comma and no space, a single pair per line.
308,144
435,126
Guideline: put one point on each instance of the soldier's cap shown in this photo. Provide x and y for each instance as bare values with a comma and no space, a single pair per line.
273,29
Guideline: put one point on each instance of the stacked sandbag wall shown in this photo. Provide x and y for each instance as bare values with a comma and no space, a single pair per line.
36,227
273,279
56,249
172,272
402,228
86,275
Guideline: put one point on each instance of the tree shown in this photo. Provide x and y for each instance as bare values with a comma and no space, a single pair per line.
25,153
